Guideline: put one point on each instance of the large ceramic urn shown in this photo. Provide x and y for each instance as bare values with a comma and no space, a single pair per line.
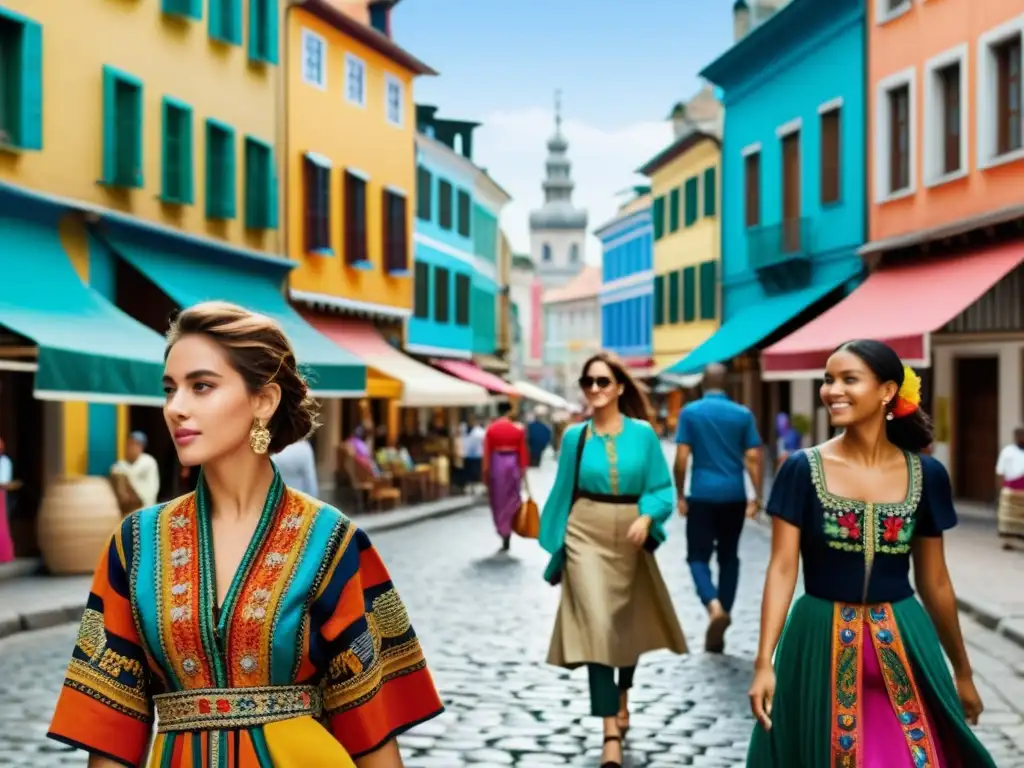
76,519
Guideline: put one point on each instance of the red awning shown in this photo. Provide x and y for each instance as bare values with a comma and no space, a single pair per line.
467,371
900,305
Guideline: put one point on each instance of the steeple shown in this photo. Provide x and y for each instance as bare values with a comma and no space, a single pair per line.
558,211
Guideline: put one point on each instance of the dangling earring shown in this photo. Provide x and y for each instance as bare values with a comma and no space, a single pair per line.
259,438
889,416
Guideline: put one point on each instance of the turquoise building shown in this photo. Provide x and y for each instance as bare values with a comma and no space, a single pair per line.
794,207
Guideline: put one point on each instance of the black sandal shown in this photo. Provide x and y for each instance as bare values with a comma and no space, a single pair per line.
612,763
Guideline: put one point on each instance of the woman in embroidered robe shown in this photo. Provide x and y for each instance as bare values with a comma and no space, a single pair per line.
859,679
257,624
601,523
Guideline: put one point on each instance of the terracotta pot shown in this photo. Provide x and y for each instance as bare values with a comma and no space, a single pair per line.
76,519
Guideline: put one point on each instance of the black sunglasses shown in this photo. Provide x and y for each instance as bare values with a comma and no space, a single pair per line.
588,382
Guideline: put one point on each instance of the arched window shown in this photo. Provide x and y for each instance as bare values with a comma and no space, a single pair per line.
574,253
545,252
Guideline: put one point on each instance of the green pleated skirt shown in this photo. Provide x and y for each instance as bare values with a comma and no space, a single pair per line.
819,686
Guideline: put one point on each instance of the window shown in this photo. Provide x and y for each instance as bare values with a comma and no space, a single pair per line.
1008,95
260,185
708,290
355,80
220,171
830,142
658,216
357,252
394,99
122,129
461,299
262,30
692,192
752,179
314,59
421,291
887,10
895,122
465,212
424,184
317,186
190,8
574,253
949,85
441,290
396,238
176,185
999,94
226,21
673,210
21,83
673,297
792,193
710,191
444,204
689,294
545,251
659,299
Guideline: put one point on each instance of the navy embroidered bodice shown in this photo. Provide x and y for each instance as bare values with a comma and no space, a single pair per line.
856,551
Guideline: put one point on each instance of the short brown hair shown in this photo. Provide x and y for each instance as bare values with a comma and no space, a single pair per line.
258,349
632,402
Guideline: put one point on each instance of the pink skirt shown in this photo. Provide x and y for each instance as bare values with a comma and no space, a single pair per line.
6,544
885,745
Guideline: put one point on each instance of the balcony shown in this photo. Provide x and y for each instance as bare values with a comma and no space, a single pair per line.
781,253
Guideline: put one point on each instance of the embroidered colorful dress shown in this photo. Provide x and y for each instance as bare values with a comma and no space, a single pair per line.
861,678
310,662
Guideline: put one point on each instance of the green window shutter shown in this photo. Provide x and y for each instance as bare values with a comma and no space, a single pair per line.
691,200
659,299
176,153
191,8
122,129
220,171
263,30
710,191
689,294
275,200
226,21
109,126
658,214
673,297
673,211
708,290
30,110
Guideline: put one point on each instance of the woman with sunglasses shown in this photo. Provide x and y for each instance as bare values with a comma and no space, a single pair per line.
602,522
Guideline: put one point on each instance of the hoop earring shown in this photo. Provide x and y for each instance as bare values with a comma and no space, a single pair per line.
259,438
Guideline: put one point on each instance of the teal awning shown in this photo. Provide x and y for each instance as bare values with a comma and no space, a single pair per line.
87,349
754,323
189,279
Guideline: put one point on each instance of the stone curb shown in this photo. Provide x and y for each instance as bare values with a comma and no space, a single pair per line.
986,614
45,617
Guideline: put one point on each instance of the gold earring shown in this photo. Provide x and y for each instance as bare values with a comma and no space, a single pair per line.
259,438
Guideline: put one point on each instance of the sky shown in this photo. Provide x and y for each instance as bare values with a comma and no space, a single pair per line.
620,65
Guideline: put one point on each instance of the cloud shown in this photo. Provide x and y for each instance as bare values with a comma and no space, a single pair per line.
512,146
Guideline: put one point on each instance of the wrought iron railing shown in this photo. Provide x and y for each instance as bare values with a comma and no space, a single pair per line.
774,245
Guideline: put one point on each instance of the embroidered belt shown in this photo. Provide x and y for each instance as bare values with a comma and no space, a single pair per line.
212,709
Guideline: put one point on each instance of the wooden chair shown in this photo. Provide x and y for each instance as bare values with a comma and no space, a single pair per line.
373,492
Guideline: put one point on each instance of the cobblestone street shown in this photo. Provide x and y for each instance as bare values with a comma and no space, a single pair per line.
485,620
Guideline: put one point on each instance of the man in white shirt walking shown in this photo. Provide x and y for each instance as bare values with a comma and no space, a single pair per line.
140,469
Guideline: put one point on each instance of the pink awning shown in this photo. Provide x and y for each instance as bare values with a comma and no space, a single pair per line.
472,373
900,305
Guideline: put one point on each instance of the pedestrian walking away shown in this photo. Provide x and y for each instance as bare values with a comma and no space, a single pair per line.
717,439
859,677
505,459
1010,479
602,522
257,624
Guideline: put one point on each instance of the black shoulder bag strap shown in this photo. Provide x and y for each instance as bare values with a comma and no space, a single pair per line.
576,471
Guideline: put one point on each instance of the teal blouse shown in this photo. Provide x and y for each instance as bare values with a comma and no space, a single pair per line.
630,463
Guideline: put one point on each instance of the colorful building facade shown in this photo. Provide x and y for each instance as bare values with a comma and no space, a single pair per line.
572,316
793,162
489,200
627,284
945,155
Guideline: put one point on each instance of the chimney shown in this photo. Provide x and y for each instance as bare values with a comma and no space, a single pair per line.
740,20
380,16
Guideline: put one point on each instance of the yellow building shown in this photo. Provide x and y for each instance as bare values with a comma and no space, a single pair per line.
685,193
138,159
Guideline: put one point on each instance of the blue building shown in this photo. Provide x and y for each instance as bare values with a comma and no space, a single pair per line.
627,282
794,207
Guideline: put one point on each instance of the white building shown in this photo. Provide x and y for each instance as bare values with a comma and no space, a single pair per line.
572,317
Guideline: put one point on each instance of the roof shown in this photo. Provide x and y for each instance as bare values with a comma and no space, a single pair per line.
585,285
366,35
682,144
633,209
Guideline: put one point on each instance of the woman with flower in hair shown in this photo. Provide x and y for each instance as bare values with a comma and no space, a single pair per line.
859,677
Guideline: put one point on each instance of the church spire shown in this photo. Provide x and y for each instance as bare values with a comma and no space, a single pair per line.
558,112
558,211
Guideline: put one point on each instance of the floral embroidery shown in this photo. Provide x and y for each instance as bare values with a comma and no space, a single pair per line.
847,626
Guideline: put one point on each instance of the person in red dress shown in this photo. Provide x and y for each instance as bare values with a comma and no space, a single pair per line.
506,458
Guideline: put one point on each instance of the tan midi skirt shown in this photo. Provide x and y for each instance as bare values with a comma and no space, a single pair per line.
1010,517
614,605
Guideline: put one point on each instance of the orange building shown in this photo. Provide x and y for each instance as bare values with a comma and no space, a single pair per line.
946,223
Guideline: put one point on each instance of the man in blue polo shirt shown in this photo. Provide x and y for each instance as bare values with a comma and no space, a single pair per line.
720,438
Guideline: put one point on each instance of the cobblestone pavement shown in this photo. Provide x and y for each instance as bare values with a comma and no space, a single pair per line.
485,620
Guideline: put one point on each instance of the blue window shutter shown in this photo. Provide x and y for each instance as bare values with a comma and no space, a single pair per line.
30,132
109,126
235,32
230,169
138,136
188,194
195,8
272,30
216,20
272,203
